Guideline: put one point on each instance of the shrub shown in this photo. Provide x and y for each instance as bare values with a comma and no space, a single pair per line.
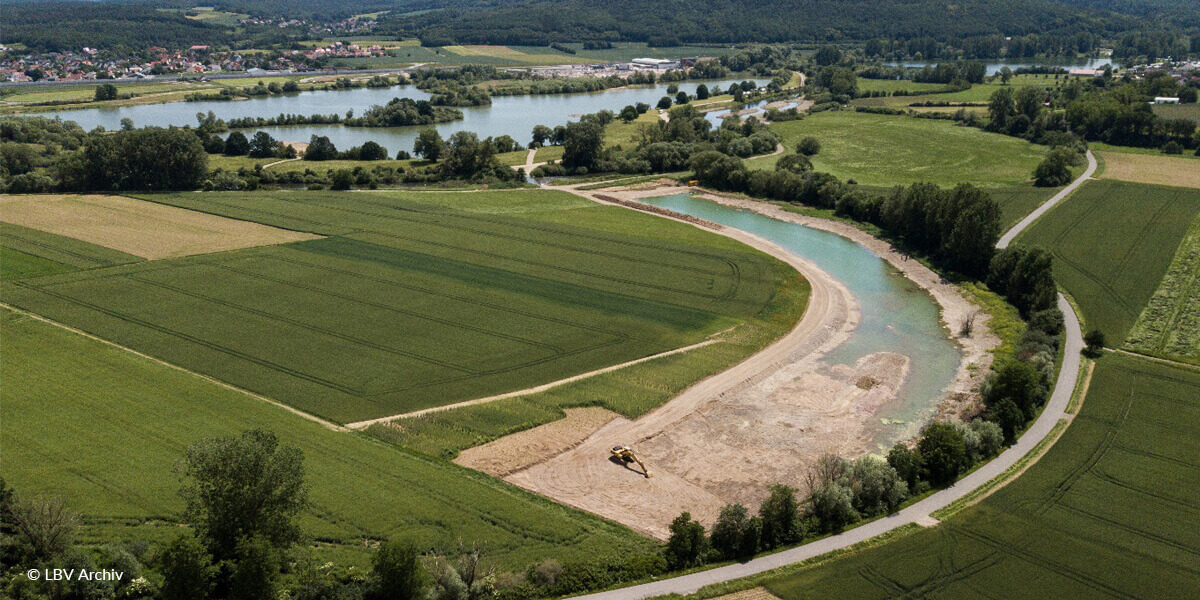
943,452
809,146
687,545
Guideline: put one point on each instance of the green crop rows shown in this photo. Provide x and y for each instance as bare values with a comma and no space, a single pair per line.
1111,511
1170,325
1112,242
416,299
28,253
104,428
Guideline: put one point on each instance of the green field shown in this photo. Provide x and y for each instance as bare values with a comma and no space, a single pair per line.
1178,111
1112,242
28,253
416,299
978,93
104,428
1170,325
1111,511
884,150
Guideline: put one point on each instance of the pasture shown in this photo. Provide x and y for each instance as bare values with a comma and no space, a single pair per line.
1109,512
1151,168
885,150
1112,242
104,428
416,299
1170,325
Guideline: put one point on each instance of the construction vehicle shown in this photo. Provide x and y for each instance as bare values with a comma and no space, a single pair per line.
625,455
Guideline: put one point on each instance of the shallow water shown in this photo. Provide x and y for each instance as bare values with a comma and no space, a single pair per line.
897,315
508,115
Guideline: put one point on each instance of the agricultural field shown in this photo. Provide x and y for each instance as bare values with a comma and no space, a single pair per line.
1178,111
886,150
104,428
1016,202
1151,168
1112,243
978,93
1170,325
454,296
26,252
1109,512
898,85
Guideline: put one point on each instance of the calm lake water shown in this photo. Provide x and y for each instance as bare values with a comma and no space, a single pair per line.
508,115
994,67
897,315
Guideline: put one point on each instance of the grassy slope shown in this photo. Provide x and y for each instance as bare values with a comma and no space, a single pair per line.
883,150
1112,243
103,428
419,299
1109,512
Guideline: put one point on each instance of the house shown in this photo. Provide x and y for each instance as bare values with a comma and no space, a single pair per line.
1166,100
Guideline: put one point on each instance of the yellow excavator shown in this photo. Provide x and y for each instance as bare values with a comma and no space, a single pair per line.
626,455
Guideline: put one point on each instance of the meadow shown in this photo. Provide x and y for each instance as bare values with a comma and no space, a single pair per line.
1179,171
104,428
885,150
1109,512
26,252
1112,243
978,93
1170,324
416,299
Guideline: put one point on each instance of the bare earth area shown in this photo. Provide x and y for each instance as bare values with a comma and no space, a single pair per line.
527,448
730,436
1148,168
138,227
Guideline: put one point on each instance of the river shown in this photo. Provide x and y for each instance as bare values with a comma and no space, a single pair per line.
897,315
507,115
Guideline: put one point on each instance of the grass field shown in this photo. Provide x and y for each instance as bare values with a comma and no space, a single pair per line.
1016,202
897,85
26,253
978,93
1170,324
104,428
1112,242
1109,512
1178,111
417,299
1151,168
884,150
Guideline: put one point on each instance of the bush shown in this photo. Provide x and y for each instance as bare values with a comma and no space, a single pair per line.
187,569
780,516
1172,147
1095,343
396,573
943,452
729,532
687,545
809,146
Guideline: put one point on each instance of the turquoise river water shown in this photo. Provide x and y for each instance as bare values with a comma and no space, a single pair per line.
897,315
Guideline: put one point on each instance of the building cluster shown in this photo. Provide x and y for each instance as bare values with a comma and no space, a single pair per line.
620,69
89,64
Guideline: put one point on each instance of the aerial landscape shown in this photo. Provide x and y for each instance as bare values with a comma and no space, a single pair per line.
473,300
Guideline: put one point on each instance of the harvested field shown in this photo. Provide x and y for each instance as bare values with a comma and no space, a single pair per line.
527,448
137,227
1150,168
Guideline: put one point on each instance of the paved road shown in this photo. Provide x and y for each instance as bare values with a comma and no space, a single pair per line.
920,512
1009,235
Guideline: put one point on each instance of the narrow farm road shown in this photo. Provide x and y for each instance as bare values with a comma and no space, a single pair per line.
919,513
1011,234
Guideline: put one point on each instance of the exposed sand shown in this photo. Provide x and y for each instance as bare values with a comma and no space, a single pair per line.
1149,168
526,448
761,422
138,227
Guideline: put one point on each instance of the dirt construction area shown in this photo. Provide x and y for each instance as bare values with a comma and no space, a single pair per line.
139,227
731,436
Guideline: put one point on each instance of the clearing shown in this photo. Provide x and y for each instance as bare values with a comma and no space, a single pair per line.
1150,168
1109,512
417,299
1112,242
886,150
137,227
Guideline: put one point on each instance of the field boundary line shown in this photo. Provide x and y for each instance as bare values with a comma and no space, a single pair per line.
1158,359
226,385
536,389
1024,224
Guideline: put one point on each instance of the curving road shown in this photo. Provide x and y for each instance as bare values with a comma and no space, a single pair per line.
1011,234
921,512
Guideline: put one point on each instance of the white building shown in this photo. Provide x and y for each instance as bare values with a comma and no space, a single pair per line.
1165,100
655,63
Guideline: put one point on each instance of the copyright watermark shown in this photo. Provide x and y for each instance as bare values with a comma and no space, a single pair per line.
74,575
